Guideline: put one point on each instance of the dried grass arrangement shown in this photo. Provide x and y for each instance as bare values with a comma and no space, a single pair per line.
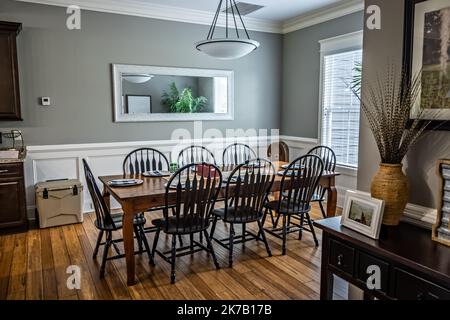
387,106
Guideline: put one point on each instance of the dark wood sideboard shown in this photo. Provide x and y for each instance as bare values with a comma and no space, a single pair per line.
12,197
9,72
413,267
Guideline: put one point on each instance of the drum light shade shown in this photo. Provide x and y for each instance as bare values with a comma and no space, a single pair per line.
227,48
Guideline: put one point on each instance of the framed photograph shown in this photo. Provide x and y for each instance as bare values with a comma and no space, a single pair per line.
427,53
138,104
441,229
363,213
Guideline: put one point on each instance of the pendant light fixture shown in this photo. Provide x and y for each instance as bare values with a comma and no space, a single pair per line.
137,78
229,47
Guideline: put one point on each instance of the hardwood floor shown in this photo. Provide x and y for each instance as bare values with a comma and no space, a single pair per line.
33,266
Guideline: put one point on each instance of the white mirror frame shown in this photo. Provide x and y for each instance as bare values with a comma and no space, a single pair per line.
119,69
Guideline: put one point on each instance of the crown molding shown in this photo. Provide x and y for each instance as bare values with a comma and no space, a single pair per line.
323,15
163,12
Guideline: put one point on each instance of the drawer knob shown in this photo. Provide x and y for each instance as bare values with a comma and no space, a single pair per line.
340,260
420,296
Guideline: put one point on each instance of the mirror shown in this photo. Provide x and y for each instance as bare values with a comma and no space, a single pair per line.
149,93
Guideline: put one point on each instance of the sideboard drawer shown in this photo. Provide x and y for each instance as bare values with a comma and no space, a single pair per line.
342,256
366,260
410,287
11,170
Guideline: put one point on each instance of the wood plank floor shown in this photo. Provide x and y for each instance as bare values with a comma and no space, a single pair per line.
33,266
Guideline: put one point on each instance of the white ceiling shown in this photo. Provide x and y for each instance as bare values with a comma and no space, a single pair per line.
275,10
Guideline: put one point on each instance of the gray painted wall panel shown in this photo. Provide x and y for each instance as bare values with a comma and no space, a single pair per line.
74,69
301,73
381,48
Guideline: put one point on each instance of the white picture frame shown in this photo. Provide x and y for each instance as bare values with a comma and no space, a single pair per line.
362,213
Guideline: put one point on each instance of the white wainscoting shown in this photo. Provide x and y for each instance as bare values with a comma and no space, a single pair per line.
65,161
345,181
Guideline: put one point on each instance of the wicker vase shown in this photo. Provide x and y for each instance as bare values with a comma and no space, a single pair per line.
391,185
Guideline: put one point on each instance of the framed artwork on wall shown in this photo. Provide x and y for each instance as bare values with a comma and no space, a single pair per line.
441,229
427,52
138,104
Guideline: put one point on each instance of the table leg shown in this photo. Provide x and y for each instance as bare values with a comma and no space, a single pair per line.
128,241
331,198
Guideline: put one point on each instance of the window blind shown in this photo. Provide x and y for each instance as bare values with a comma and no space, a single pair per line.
340,107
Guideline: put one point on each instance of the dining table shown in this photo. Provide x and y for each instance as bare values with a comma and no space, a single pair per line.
151,194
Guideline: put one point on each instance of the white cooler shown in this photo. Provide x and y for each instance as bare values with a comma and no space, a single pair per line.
59,202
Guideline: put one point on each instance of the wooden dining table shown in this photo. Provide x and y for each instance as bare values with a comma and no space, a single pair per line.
151,194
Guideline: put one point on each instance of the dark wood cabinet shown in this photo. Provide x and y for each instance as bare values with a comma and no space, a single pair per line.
411,265
12,197
9,73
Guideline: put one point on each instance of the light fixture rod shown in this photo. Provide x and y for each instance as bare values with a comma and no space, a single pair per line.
234,17
226,13
243,24
227,47
214,23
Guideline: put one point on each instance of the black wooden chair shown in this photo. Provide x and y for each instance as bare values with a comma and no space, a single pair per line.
108,223
329,161
246,191
237,153
298,184
142,160
194,189
145,159
195,154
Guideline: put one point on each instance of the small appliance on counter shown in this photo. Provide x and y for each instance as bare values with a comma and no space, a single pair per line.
12,146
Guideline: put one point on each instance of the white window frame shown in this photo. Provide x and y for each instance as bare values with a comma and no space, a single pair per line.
334,45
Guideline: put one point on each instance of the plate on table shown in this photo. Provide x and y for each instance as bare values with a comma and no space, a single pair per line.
174,185
156,173
289,172
255,165
294,167
125,182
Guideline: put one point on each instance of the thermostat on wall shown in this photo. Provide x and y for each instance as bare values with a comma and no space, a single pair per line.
45,101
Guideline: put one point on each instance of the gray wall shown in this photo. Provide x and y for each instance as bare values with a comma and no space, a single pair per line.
381,48
74,69
301,73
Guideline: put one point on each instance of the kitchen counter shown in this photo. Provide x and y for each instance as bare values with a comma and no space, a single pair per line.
12,160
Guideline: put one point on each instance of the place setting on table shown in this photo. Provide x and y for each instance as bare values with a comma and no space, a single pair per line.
203,168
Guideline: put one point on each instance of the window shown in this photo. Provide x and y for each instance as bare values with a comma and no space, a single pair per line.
340,108
220,95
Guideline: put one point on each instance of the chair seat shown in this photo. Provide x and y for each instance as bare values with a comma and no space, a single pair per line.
285,208
185,226
238,217
139,220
